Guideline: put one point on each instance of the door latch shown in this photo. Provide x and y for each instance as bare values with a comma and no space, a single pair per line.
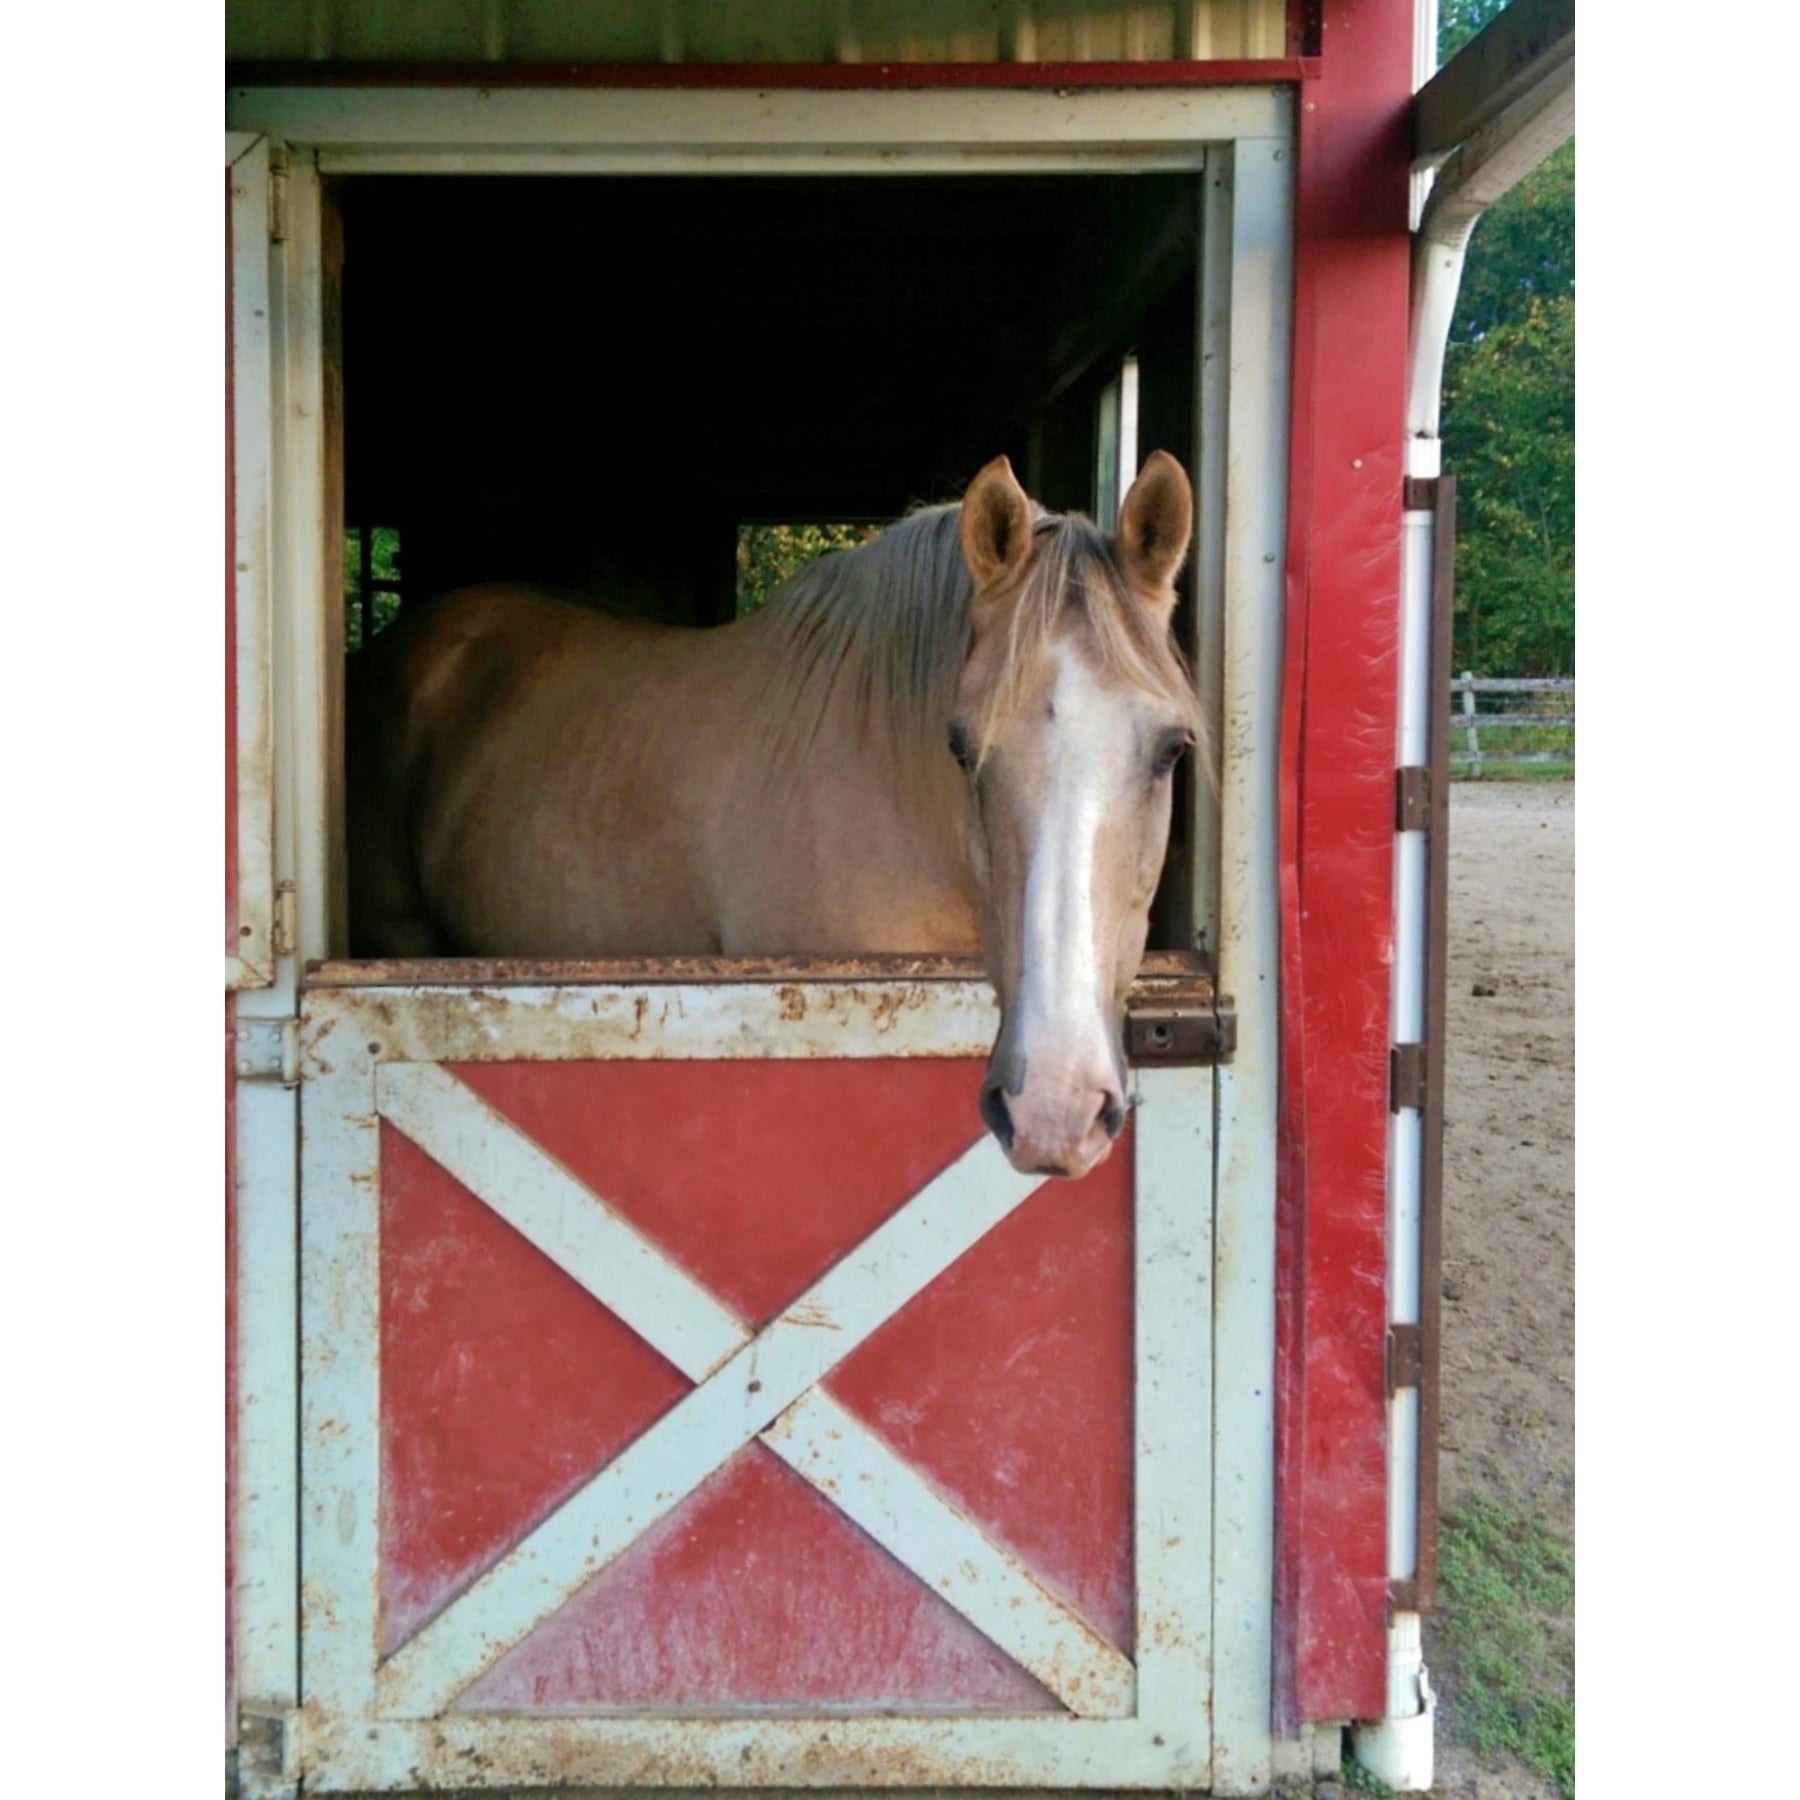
1165,1034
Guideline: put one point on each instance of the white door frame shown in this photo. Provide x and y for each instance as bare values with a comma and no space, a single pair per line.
250,962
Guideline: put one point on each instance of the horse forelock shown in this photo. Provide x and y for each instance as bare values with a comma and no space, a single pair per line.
888,625
1072,584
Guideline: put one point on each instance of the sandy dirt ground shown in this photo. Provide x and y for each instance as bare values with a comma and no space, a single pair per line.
1508,1407
1509,1148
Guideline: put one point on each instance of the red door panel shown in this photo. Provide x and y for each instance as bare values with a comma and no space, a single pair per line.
505,1386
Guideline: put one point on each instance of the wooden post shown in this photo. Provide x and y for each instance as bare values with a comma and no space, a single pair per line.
1467,684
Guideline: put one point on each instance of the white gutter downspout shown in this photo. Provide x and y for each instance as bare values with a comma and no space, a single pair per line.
1399,1748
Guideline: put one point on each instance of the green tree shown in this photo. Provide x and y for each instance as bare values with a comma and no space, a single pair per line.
1523,250
768,554
1509,415
1509,437
1459,20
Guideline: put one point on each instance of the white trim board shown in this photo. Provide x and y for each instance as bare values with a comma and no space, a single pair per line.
688,131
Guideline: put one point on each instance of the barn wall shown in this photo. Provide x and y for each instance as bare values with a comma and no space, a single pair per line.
676,31
1340,703
1342,573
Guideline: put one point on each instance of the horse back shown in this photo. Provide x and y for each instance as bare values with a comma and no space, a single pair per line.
489,767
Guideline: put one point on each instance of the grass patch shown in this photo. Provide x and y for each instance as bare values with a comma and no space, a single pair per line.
1363,1781
1511,742
1518,771
1505,1624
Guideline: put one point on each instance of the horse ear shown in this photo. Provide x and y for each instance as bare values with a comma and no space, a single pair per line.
1155,524
995,531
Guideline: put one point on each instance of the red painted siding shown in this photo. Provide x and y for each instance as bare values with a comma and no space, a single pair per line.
1339,710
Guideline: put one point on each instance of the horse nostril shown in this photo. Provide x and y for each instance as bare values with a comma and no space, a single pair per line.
1112,1115
993,1110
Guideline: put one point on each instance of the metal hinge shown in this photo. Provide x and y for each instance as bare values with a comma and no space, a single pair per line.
1412,798
1406,1077
267,1050
278,187
282,931
1403,1595
268,1746
1173,1034
1405,1358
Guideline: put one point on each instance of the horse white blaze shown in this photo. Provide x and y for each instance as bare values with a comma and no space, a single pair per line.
1070,1066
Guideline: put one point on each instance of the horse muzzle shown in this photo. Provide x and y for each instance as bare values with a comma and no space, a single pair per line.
1061,1123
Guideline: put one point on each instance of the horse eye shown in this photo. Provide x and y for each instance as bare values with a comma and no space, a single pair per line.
1169,752
960,746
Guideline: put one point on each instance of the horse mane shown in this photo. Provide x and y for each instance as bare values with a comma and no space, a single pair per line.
890,622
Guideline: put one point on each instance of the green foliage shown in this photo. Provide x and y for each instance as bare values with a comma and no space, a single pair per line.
1532,771
1523,251
384,553
1509,414
384,565
1459,20
1509,437
768,554
1506,1593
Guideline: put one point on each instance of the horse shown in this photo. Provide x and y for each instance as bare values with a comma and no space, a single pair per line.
958,736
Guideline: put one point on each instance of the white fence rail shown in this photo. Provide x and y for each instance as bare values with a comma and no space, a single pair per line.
1511,716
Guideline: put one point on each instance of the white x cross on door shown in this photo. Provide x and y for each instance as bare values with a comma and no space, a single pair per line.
379,1720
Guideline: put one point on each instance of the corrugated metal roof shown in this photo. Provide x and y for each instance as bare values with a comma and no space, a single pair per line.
823,31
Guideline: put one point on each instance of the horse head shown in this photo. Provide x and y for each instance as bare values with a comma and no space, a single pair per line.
1072,711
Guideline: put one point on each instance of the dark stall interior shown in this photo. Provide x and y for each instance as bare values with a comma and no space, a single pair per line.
593,382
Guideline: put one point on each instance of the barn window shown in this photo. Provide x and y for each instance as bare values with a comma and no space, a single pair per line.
371,582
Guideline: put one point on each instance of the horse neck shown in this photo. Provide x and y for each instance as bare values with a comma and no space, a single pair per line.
796,731
834,774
